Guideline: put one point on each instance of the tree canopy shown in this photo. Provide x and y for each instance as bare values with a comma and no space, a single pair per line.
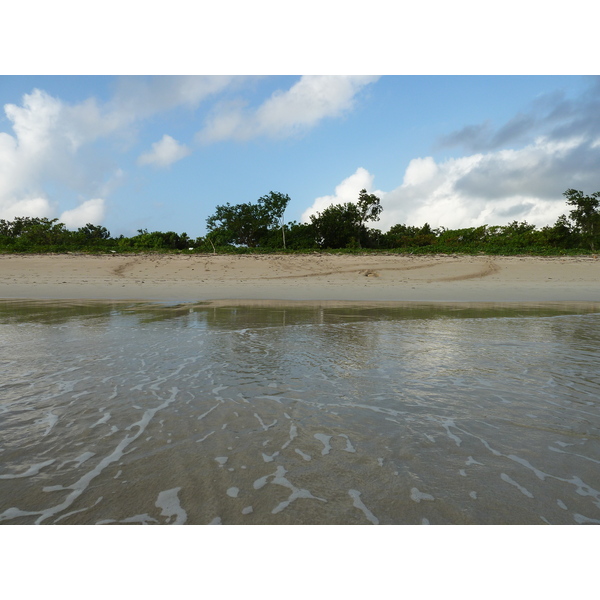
261,226
343,225
585,215
247,224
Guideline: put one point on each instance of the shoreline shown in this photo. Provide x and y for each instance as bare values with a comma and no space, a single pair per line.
301,279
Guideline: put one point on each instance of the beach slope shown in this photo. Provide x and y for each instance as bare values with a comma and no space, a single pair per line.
317,277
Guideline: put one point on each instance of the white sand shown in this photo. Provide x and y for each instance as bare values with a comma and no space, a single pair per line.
317,277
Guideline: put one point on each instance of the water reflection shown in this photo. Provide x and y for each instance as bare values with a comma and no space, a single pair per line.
232,317
123,413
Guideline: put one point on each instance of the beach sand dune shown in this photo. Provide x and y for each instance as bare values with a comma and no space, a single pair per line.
317,277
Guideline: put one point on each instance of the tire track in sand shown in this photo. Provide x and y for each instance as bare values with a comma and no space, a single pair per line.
119,270
365,272
488,269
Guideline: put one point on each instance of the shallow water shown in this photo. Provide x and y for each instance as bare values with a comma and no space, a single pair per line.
129,414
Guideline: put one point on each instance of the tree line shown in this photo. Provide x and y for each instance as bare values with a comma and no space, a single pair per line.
261,227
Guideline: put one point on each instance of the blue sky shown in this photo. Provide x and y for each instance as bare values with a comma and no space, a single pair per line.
160,152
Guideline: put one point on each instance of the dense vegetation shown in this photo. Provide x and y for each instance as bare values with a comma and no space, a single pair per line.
261,227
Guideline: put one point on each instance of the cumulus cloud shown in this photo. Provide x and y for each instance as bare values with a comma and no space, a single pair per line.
285,113
52,142
493,188
347,191
164,153
28,155
45,150
90,211
25,207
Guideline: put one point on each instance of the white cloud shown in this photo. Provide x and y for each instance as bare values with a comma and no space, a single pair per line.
91,211
420,170
286,113
28,207
494,189
48,139
43,149
164,153
26,157
138,97
347,191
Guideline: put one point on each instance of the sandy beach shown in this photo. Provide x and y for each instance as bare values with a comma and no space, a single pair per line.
314,278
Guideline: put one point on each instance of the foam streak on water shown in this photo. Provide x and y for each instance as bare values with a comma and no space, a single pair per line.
232,416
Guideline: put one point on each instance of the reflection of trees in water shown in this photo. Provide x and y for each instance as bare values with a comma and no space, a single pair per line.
268,343
222,317
52,313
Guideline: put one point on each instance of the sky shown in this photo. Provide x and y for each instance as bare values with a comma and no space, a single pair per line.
161,152
456,126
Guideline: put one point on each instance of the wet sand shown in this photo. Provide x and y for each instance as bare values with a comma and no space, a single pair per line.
314,278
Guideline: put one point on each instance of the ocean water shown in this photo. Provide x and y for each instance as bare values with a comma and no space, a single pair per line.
116,414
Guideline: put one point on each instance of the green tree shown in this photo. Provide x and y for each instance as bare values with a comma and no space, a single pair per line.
246,224
585,215
561,234
337,226
34,233
91,236
399,236
343,225
274,204
241,224
369,209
